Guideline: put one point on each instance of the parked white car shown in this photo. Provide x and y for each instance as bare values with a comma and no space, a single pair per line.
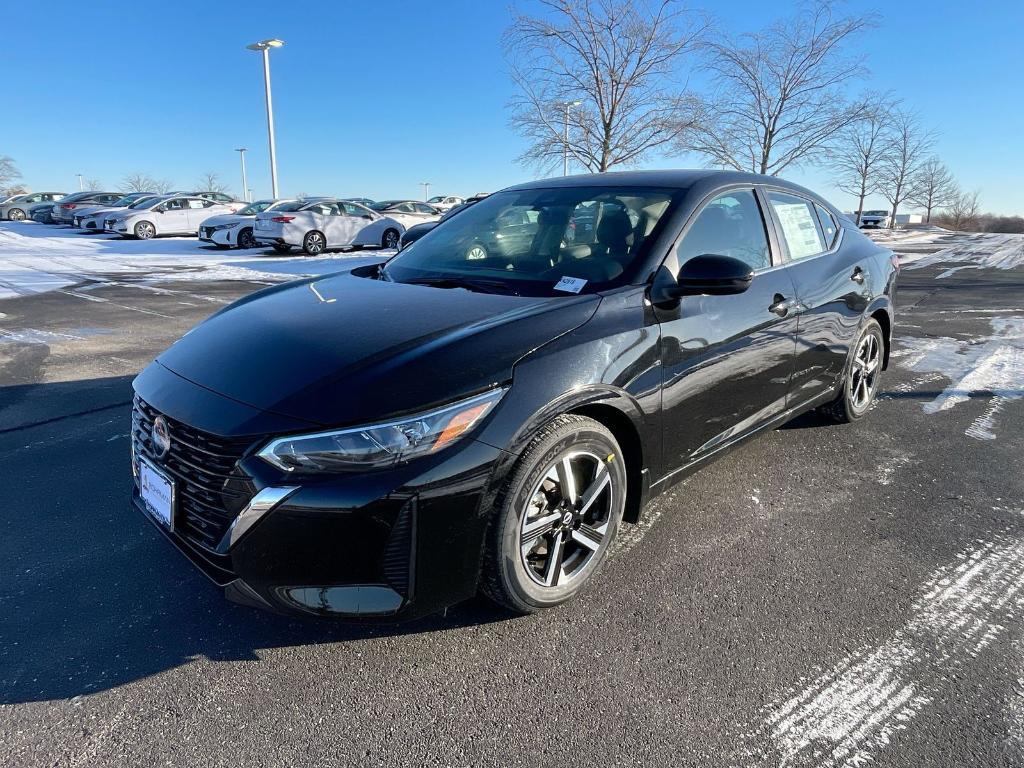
235,230
408,213
167,215
445,203
319,226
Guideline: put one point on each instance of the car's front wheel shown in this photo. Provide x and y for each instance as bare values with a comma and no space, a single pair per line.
556,516
144,230
246,239
314,243
390,239
16,214
863,376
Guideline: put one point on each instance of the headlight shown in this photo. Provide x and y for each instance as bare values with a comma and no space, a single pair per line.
380,445
219,227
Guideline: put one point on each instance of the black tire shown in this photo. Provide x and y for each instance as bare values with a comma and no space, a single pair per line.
860,385
282,247
314,243
144,230
246,239
16,214
513,577
390,238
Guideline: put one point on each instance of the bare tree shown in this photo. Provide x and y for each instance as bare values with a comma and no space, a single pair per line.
598,79
933,187
9,173
141,182
859,152
963,211
780,100
92,185
907,148
210,182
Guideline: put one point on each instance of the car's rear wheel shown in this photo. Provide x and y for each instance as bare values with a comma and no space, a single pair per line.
390,239
556,516
863,376
144,230
16,214
246,239
314,243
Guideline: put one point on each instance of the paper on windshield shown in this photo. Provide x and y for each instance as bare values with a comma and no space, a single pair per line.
570,284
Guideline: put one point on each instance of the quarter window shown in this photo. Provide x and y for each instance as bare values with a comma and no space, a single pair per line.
828,225
800,227
730,225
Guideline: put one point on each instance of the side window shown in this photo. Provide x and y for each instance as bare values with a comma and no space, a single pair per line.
828,225
353,210
196,204
174,205
35,199
730,225
799,222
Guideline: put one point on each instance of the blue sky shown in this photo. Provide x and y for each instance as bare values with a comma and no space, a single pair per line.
372,98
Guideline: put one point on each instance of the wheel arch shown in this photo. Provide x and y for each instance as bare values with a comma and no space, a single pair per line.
882,315
628,438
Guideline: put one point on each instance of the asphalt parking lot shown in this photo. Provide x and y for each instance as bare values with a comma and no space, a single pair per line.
824,596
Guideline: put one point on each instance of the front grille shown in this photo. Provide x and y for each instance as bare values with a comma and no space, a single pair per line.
210,489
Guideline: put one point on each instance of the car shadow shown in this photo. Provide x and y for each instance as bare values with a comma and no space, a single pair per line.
92,596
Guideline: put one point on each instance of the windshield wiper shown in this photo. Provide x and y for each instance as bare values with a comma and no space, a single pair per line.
478,284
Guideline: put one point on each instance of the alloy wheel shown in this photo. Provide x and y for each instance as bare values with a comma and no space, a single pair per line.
17,215
566,521
246,239
864,376
391,239
144,230
314,243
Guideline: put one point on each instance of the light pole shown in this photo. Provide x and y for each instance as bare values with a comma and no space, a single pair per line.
81,186
426,190
264,46
245,183
565,139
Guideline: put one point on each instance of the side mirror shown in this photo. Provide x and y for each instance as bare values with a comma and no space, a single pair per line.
713,275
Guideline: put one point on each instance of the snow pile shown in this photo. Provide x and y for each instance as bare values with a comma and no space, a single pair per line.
980,251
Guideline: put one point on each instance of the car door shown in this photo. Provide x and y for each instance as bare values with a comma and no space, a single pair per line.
366,228
726,360
831,287
339,228
198,210
173,218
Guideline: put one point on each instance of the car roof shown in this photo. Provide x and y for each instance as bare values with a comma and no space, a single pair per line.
679,178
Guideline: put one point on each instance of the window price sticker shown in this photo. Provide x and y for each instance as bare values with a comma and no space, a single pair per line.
570,284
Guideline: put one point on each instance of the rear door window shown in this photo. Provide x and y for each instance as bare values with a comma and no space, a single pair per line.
828,225
799,223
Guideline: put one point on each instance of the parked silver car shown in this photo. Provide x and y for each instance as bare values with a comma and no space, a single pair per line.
82,214
167,215
17,208
64,211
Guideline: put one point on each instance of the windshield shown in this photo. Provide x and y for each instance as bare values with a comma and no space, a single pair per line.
143,202
258,207
291,205
540,242
438,199
383,205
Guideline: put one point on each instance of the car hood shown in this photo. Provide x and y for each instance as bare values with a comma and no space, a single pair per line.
346,349
225,218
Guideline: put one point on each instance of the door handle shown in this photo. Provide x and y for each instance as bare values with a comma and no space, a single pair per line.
781,305
859,276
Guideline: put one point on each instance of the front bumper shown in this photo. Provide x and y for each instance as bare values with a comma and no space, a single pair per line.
388,544
219,236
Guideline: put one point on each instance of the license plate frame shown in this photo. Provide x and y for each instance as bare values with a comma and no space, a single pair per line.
158,493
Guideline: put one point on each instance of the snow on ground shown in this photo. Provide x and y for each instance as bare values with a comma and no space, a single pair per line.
35,258
848,714
991,366
928,246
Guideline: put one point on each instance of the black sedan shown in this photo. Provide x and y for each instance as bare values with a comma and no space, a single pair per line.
391,440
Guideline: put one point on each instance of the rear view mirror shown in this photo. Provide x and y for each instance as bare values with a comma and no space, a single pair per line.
713,275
